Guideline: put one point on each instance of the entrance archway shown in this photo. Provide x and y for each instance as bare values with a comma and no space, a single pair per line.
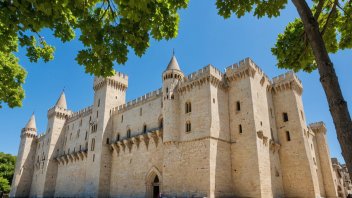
153,183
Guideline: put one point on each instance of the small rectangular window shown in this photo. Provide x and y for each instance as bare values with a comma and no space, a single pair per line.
238,106
240,128
285,117
107,141
288,137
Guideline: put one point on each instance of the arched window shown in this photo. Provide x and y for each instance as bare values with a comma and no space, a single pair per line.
188,107
144,128
128,133
92,146
188,126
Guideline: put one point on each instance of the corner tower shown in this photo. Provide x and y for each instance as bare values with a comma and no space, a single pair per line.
297,160
45,183
22,178
171,77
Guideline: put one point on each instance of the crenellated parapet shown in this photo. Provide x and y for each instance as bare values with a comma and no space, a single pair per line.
245,68
318,127
79,114
138,101
59,112
119,82
208,74
287,81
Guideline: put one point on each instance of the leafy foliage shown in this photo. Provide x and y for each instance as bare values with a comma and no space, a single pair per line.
108,30
7,168
292,49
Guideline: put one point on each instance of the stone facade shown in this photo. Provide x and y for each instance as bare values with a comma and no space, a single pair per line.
342,179
208,134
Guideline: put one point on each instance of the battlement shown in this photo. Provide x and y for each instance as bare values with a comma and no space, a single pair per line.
318,127
205,71
137,101
289,76
119,80
80,113
244,65
59,111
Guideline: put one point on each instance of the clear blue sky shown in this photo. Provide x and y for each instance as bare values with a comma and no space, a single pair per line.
203,38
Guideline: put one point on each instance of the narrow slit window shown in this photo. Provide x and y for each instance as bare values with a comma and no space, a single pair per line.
107,140
118,137
238,106
285,117
128,133
288,136
144,128
240,128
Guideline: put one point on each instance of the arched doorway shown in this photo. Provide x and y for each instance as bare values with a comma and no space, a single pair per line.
156,187
153,183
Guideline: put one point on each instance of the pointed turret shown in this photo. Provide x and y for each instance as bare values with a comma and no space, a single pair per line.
61,102
31,123
173,64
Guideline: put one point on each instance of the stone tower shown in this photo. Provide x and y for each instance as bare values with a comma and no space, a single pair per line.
297,160
171,77
44,184
22,178
328,188
108,93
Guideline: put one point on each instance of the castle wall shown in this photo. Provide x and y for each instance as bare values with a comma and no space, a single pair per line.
71,179
130,168
134,118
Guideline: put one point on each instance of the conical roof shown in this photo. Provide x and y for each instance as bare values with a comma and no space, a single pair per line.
61,102
31,123
173,64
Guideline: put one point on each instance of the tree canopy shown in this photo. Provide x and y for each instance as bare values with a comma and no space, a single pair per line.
7,168
108,29
292,49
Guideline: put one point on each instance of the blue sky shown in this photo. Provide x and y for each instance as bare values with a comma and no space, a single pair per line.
203,38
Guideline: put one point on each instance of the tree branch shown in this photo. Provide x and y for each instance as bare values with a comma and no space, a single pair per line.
333,9
319,9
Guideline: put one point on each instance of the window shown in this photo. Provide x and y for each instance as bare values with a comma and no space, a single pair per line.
85,138
86,146
92,146
238,106
214,100
128,133
70,136
161,123
188,126
121,118
107,140
144,128
188,107
302,115
98,102
172,96
240,128
118,137
285,117
167,90
80,147
94,128
288,137
140,111
78,132
93,157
